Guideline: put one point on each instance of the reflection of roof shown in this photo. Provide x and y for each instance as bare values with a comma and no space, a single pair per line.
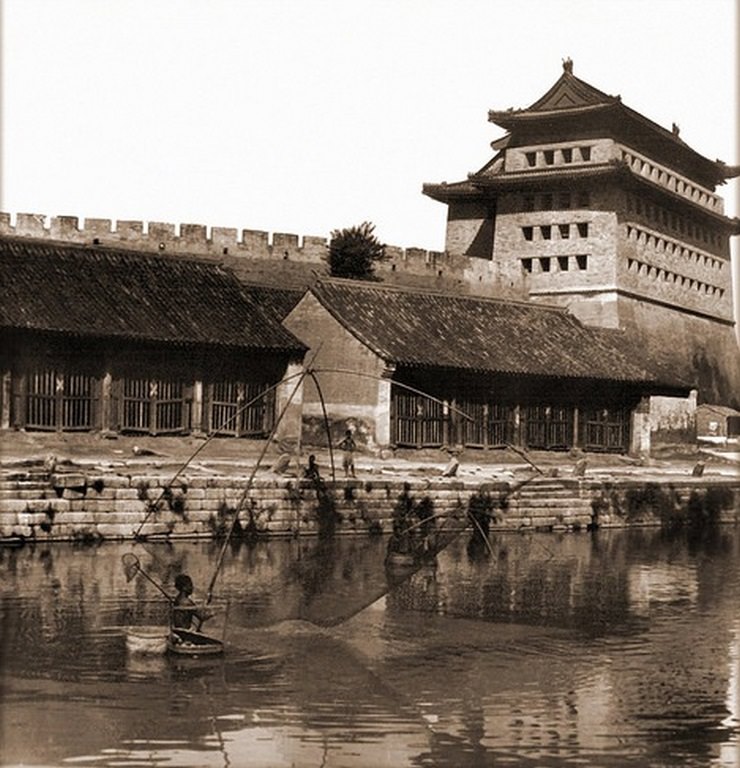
109,293
484,335
718,410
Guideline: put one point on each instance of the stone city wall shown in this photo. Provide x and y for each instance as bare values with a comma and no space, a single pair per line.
243,250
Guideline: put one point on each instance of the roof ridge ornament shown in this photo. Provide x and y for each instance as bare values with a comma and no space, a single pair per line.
568,65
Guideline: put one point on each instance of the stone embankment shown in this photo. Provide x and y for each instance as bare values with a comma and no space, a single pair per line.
89,505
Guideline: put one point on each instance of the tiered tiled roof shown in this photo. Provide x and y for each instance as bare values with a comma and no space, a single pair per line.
109,293
483,180
573,108
572,98
449,331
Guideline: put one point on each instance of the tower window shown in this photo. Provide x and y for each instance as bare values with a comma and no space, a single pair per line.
531,159
546,232
564,231
582,228
527,265
549,155
563,263
567,155
586,153
582,261
545,264
528,232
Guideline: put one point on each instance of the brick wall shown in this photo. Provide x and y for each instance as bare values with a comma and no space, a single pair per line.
91,506
358,406
550,255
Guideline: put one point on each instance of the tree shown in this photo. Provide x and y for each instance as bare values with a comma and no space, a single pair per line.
353,251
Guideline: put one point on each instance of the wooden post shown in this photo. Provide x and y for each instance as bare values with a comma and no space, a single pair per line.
575,438
106,402
447,422
7,396
384,410
517,418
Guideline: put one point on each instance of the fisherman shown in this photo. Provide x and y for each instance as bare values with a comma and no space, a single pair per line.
184,609
348,446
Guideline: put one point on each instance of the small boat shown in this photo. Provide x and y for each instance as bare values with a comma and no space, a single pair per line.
149,639
185,642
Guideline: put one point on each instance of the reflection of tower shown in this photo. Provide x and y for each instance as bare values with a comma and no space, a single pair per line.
474,723
729,753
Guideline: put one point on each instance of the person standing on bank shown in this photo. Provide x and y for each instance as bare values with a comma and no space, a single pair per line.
348,446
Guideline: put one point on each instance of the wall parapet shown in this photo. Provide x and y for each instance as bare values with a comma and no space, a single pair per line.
215,242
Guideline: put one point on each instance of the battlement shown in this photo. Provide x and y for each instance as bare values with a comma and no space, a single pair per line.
216,242
158,237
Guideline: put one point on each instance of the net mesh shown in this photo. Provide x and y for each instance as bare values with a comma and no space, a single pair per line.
131,565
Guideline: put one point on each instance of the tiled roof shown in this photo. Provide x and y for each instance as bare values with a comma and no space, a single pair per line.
533,178
110,293
576,98
276,301
456,332
568,93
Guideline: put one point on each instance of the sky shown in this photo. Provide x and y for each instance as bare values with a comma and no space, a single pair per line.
306,116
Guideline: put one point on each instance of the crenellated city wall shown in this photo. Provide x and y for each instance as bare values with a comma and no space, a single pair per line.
251,253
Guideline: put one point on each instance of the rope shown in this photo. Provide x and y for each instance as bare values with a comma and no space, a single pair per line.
154,504
248,487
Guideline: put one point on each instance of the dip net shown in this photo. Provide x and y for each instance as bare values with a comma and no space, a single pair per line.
131,566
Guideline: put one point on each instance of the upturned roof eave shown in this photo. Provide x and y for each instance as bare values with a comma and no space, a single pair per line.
509,119
444,192
473,187
535,177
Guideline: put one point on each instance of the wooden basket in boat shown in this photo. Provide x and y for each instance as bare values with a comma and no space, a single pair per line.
150,639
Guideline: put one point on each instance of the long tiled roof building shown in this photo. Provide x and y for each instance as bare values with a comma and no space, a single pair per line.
95,338
84,291
425,369
426,329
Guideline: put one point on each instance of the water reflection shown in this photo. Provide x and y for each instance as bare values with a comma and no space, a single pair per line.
615,649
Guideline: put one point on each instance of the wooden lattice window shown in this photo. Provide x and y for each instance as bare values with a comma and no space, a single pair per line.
548,427
491,425
417,421
605,429
155,406
64,401
241,409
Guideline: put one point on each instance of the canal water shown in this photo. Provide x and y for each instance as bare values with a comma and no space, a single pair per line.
609,649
